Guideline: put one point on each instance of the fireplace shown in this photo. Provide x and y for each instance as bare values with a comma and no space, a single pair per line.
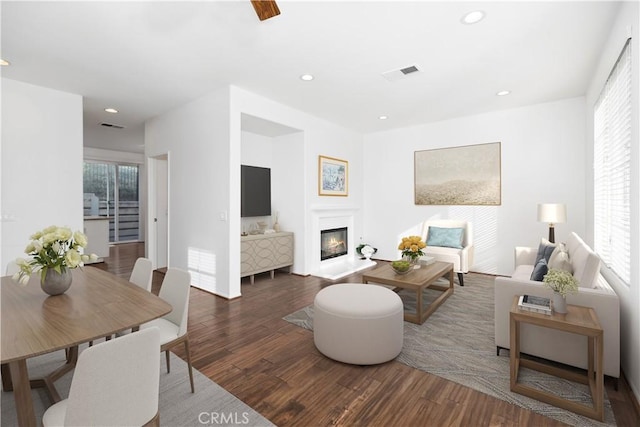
333,243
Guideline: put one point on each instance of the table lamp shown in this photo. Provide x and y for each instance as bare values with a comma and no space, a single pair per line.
553,213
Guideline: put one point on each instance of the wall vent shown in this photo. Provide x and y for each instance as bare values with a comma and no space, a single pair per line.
400,73
111,125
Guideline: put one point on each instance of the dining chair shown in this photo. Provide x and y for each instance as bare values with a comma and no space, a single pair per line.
115,383
12,268
142,273
173,326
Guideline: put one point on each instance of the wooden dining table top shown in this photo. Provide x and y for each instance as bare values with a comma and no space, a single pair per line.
97,304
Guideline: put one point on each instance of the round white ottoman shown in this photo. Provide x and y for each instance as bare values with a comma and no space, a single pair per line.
357,323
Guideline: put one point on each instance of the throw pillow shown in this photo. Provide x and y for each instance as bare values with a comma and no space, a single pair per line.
445,237
559,259
540,270
544,250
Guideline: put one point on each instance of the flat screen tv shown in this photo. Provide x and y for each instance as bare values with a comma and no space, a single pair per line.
255,190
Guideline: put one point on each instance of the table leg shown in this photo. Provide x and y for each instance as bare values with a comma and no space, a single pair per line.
6,377
22,393
419,305
514,352
599,398
590,355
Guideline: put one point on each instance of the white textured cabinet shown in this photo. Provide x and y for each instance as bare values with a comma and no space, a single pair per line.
265,252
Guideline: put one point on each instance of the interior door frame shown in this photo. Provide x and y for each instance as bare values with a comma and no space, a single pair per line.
152,212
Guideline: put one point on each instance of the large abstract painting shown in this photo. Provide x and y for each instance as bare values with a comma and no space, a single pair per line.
468,175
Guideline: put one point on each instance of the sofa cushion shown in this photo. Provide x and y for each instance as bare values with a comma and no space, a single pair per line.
445,237
539,271
523,272
586,266
559,259
544,250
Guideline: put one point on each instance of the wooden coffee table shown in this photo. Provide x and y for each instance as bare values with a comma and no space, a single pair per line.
417,280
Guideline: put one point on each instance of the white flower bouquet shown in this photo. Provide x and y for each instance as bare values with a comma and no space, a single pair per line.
54,247
560,281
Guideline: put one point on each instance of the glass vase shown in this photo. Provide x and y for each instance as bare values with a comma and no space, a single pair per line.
412,260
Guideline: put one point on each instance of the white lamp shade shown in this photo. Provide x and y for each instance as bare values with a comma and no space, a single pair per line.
553,213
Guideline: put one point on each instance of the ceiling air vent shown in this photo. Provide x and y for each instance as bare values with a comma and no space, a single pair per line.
409,70
111,125
401,73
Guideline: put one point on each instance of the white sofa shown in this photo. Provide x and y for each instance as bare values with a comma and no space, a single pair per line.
594,291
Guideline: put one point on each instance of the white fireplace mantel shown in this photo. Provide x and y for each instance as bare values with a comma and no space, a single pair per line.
335,216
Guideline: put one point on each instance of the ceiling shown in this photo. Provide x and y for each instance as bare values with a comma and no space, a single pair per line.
145,58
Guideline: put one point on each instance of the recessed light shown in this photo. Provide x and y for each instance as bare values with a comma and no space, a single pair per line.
473,17
503,93
4,63
111,110
306,77
383,117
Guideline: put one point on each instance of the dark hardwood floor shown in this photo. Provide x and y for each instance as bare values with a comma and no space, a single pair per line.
274,367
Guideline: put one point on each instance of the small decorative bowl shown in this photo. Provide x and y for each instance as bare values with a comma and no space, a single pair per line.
401,267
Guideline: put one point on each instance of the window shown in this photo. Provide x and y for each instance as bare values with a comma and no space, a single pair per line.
612,169
113,190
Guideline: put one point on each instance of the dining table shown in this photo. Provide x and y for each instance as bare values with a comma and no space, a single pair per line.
98,304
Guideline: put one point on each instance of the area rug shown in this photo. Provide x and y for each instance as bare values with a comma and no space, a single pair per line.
209,405
457,343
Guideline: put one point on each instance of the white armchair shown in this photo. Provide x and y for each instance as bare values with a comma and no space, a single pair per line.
461,257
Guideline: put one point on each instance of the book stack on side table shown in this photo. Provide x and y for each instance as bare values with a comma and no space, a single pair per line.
535,304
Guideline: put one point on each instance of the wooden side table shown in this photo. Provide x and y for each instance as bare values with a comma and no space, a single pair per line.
578,320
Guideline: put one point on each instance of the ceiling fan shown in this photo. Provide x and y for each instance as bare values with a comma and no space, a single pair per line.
265,8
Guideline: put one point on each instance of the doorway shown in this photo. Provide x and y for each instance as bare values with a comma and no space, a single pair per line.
158,249
112,190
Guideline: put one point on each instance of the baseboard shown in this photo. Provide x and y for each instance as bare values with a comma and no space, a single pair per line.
631,395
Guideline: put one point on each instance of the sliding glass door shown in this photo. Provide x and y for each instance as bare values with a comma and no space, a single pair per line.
113,190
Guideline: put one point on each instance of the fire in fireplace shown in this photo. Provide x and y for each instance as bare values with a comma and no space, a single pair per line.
333,243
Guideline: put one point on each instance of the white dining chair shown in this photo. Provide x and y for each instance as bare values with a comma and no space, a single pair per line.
142,273
12,268
173,326
115,383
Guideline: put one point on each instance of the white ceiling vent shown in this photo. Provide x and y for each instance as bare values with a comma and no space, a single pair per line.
111,125
395,75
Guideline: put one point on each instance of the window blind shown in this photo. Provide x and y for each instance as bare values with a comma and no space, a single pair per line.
612,169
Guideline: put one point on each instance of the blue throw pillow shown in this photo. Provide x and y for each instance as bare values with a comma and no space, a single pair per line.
540,270
544,251
445,237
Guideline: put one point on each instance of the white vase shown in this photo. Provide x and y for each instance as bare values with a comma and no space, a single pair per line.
55,283
559,303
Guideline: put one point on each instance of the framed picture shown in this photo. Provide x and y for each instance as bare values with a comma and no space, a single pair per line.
333,177
467,175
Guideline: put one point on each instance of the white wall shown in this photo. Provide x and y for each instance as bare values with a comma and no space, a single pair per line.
288,198
626,25
41,163
543,161
320,137
257,150
197,137
286,191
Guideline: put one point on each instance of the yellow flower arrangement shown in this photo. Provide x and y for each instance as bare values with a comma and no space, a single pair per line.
412,246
